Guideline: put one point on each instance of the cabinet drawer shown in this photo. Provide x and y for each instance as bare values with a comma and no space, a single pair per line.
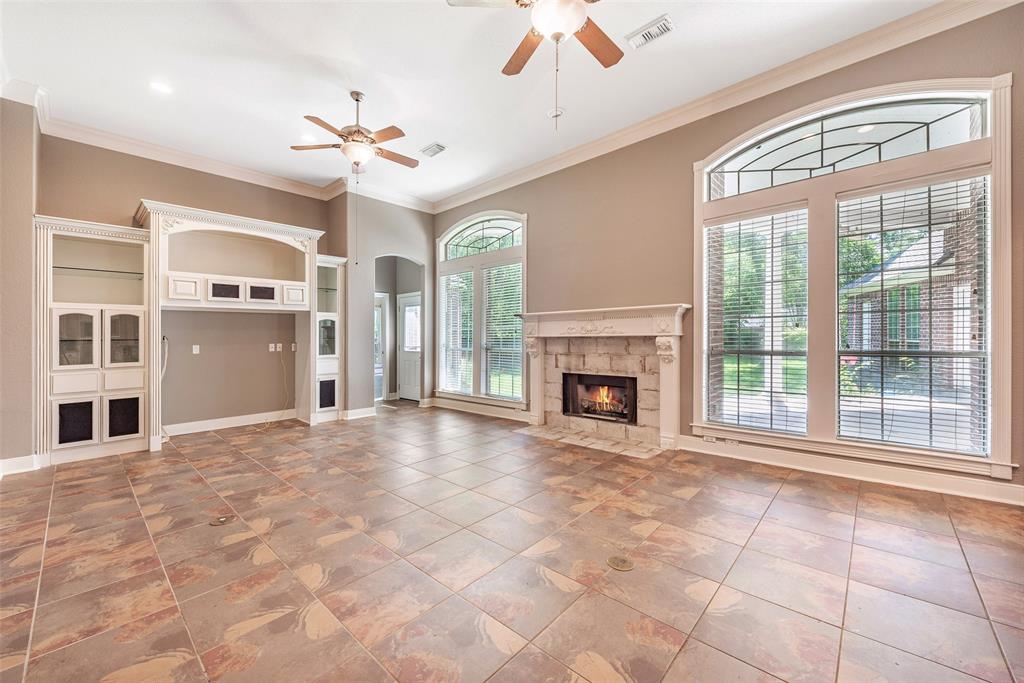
295,295
327,366
75,383
116,380
183,287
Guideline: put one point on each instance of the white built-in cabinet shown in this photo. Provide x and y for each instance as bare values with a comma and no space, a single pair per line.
330,302
92,295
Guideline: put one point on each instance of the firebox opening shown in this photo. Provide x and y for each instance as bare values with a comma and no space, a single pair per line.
602,397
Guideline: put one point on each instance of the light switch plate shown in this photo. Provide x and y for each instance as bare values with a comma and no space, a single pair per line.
279,347
271,347
195,349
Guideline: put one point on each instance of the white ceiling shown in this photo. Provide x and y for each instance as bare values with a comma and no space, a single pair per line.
244,74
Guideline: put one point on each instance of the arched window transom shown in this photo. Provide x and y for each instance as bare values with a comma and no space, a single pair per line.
487,234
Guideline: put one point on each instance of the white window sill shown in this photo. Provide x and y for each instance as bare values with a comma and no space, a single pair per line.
896,455
486,400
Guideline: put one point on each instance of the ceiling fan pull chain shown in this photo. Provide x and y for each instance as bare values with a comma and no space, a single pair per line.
557,114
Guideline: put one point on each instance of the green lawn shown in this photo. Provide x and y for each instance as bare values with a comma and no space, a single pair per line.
503,383
750,373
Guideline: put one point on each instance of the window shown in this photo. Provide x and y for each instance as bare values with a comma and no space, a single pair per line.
932,239
411,329
847,261
481,296
757,322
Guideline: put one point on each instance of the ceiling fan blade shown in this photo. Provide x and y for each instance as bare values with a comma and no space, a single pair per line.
483,3
389,133
323,124
599,44
523,53
303,147
395,157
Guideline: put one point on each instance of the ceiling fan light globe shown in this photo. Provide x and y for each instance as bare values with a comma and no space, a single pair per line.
358,152
557,20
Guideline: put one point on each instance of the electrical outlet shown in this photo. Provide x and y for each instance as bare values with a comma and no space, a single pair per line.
195,349
271,345
732,442
710,439
278,347
293,346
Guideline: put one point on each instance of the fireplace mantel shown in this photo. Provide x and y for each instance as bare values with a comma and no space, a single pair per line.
662,320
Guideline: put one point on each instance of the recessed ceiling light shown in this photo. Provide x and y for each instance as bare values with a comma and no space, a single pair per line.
161,87
308,138
866,129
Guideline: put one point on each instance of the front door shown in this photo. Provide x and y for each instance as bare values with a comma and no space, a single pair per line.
380,378
410,346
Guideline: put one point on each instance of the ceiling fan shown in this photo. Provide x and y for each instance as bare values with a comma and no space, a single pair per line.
358,144
556,20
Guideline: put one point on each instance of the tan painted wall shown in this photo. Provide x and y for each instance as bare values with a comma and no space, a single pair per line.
633,208
19,149
234,373
376,228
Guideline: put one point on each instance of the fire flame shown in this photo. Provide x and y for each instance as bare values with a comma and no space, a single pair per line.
604,398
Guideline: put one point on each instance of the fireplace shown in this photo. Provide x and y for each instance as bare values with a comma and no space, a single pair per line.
601,397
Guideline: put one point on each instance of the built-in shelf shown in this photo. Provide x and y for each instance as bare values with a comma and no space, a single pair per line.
97,272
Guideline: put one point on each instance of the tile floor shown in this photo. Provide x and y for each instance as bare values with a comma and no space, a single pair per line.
429,545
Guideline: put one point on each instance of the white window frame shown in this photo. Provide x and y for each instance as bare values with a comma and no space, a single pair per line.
477,264
987,156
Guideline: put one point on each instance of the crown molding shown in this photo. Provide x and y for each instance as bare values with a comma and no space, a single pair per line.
935,19
391,197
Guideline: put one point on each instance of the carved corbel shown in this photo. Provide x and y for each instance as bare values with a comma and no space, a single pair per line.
532,347
667,348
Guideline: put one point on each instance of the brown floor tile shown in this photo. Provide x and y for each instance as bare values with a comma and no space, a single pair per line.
803,547
429,491
302,644
523,595
295,528
167,520
505,463
514,528
866,660
985,522
1012,642
647,503
200,539
24,560
459,559
341,563
797,587
93,569
922,545
821,490
248,503
155,647
452,642
14,635
834,524
691,551
23,507
619,472
64,622
389,480
375,606
237,478
776,640
547,473
557,506
204,572
579,556
466,508
589,487
906,507
958,640
18,593
605,640
22,534
375,510
413,531
614,524
509,489
667,593
226,613
700,663
440,465
532,664
765,480
732,500
1003,600
471,476
82,514
712,521
942,585
1000,562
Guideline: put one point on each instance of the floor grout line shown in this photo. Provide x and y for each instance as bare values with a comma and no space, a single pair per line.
39,580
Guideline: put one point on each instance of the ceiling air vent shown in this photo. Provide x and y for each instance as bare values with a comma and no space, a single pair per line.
433,150
650,32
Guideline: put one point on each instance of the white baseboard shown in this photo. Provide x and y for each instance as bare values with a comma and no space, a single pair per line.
392,396
227,422
25,463
358,413
927,480
477,408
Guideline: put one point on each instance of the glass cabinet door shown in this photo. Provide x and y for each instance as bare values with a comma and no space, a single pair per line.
327,334
123,338
75,336
327,289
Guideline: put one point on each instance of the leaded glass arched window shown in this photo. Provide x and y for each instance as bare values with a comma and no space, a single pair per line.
486,234
854,136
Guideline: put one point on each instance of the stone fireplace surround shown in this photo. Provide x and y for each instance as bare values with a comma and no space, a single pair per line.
638,341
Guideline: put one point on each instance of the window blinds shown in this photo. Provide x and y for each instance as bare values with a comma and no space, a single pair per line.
756,322
456,334
503,331
917,374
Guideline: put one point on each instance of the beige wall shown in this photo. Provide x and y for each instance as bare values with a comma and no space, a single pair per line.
19,149
376,228
234,373
633,208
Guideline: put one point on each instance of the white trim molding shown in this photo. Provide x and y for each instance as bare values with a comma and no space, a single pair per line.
228,422
26,463
358,413
941,482
473,404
